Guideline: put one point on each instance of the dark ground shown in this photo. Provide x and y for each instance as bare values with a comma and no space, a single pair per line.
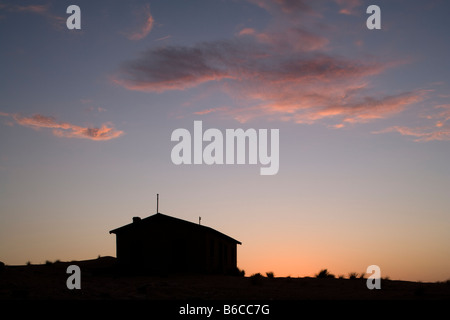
100,281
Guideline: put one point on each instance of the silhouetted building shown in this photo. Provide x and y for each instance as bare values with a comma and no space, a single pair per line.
162,243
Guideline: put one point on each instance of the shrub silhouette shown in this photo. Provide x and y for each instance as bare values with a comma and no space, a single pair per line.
324,274
270,274
353,275
256,278
238,272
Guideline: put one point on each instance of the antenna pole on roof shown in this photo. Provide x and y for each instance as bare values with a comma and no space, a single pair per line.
199,220
157,203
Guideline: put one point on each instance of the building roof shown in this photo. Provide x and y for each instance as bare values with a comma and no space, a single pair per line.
162,217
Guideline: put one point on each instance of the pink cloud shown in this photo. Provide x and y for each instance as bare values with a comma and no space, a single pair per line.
371,108
98,134
271,76
239,60
283,73
422,134
348,6
65,129
327,106
211,110
145,27
439,131
441,117
203,112
247,31
293,39
164,38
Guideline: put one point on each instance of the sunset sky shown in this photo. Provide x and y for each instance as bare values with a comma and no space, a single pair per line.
86,118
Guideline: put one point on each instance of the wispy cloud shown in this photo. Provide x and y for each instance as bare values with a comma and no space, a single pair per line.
292,39
275,74
42,10
90,106
39,9
438,131
172,68
285,72
368,108
146,24
164,38
211,110
348,6
65,129
284,6
422,134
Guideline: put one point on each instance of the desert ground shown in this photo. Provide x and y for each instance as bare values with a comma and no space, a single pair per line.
101,281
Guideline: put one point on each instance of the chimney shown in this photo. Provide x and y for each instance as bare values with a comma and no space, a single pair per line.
136,219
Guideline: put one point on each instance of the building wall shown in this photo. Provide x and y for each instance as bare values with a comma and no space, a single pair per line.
170,247
221,255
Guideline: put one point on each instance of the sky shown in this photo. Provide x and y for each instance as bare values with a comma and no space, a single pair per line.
86,117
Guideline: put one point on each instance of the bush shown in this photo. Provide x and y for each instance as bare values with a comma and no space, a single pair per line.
238,272
324,274
270,274
256,278
353,275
